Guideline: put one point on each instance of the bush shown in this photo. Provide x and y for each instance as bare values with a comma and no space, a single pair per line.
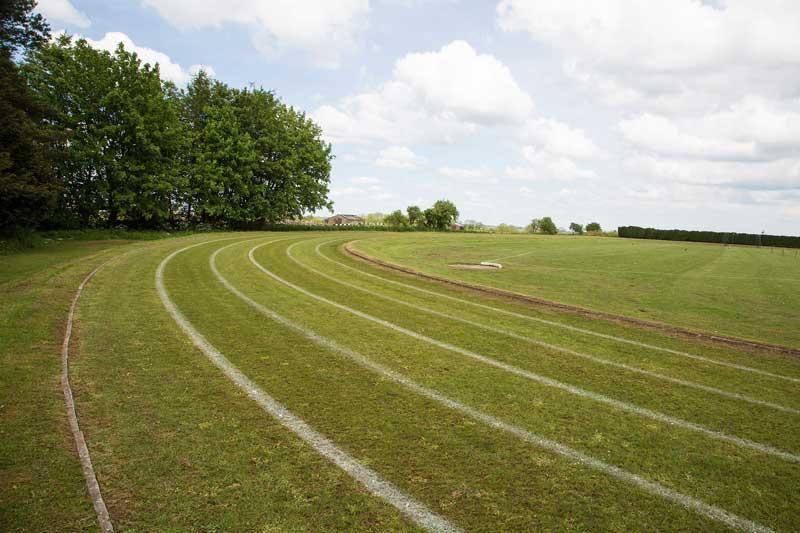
747,239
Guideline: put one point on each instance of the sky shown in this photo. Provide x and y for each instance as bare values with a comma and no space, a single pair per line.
679,114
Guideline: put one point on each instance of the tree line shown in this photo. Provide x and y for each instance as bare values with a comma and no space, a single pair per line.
90,138
439,217
749,239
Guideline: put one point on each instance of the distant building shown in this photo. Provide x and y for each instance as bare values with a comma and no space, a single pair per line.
344,220
457,227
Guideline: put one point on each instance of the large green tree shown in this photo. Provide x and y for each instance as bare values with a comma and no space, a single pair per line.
21,30
576,228
415,215
28,186
292,168
251,159
396,219
119,160
441,215
593,226
547,226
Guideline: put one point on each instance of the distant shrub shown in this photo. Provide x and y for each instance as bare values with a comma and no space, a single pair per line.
747,239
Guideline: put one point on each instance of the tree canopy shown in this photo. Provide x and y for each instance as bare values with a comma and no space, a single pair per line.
593,226
441,216
576,228
547,226
415,215
396,219
93,138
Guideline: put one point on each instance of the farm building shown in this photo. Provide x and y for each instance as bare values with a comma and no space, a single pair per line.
344,220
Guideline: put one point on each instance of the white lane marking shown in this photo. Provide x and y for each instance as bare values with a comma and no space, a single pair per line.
651,487
544,380
575,328
511,334
511,256
371,480
92,485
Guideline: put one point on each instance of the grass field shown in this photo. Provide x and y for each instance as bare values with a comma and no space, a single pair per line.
740,291
270,382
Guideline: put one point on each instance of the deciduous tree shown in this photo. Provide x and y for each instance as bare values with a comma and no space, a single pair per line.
547,226
576,228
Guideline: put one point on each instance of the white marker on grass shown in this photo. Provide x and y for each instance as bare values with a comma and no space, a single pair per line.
367,477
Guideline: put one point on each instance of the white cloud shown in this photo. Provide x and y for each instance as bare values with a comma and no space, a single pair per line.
465,173
777,175
432,97
365,180
661,135
169,70
560,139
543,166
398,157
323,28
676,55
62,11
475,87
750,130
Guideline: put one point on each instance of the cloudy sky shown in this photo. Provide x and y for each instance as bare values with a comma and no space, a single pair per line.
682,113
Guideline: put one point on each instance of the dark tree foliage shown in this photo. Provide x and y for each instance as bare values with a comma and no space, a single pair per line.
415,215
441,216
547,226
134,150
750,239
21,30
576,228
118,162
396,219
28,186
593,226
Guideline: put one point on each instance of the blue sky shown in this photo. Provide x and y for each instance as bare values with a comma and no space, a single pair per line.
673,114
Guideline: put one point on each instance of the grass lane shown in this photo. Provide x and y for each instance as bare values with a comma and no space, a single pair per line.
41,484
176,446
723,414
653,488
734,290
531,340
603,432
601,333
369,479
475,475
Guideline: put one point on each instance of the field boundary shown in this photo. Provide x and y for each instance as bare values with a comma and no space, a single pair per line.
103,518
675,331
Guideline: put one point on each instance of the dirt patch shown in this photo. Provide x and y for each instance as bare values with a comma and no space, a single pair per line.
675,331
472,266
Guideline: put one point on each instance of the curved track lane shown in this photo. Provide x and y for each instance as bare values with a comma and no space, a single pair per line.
371,480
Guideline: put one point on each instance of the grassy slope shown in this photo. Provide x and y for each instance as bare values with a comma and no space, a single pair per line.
177,447
740,291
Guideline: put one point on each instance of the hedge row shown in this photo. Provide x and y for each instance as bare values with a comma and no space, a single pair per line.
749,239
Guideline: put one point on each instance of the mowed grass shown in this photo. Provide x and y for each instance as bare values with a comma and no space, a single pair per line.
177,446
740,291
